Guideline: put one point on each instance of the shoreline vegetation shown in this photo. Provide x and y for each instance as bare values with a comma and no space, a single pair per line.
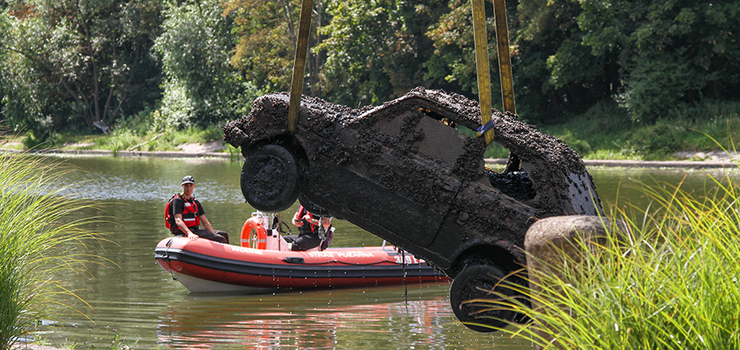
705,133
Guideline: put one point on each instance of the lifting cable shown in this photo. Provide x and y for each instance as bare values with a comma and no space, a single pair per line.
299,64
504,58
480,38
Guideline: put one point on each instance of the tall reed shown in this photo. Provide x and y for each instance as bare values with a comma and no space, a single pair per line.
673,282
37,241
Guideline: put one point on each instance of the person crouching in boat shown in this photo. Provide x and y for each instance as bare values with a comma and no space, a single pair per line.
312,231
184,215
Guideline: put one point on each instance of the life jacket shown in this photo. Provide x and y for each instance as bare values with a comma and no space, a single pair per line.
189,213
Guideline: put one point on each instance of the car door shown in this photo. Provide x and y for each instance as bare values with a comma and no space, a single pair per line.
397,180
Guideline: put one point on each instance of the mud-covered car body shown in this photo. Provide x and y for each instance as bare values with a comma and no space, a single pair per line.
404,172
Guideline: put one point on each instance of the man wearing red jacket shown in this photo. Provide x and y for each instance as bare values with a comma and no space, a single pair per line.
309,229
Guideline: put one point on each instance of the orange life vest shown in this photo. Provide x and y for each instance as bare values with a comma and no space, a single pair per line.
189,213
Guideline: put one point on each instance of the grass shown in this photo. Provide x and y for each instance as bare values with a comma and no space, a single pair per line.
124,139
36,242
146,131
672,283
606,131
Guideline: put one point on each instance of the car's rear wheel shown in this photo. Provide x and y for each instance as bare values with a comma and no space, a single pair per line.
271,178
473,297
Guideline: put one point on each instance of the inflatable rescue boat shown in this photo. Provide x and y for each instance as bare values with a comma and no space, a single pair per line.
265,263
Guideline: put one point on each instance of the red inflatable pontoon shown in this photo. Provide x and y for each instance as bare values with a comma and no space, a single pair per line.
207,266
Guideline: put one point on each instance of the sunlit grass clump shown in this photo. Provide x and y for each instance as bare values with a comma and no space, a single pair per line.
672,283
37,241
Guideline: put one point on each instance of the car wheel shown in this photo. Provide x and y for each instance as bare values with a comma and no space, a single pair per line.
476,282
271,178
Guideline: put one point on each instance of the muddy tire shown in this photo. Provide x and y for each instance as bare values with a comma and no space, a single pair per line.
476,282
271,178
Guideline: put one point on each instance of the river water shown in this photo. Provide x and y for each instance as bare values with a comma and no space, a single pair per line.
128,296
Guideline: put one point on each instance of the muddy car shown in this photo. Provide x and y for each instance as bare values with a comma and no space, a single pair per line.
408,172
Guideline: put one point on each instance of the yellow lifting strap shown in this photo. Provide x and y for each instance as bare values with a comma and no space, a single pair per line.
504,60
299,64
480,38
481,61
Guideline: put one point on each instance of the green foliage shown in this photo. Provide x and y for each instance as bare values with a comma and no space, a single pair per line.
453,63
556,75
609,133
669,52
580,146
124,138
376,50
201,86
603,129
198,135
670,283
67,64
36,242
266,34
359,36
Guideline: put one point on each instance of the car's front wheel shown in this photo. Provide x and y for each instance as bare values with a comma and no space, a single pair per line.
474,294
271,178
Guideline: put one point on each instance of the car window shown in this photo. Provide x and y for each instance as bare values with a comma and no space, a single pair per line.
431,137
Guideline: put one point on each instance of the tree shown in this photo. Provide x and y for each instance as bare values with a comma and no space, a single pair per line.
558,75
267,33
69,64
376,49
201,87
452,64
670,52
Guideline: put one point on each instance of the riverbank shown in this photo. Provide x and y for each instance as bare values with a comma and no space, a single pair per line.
708,160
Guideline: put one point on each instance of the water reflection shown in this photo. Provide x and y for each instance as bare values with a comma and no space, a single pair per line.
309,320
137,299
322,320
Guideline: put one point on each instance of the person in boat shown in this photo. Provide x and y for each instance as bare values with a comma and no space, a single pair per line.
185,214
313,230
